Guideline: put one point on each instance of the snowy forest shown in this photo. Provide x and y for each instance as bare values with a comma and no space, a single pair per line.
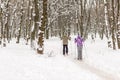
36,20
31,44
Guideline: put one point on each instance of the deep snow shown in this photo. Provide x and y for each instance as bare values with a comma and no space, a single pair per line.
20,62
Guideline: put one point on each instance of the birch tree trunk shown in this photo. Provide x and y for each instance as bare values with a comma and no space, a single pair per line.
1,29
107,19
35,24
21,24
118,24
81,18
113,26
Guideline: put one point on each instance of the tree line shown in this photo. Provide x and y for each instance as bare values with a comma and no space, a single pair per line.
39,19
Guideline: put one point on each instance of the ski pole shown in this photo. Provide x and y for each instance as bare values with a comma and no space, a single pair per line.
75,52
85,51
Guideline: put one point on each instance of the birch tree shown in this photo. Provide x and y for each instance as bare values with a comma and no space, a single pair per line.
107,23
118,23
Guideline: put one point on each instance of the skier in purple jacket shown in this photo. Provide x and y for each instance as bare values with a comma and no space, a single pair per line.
79,42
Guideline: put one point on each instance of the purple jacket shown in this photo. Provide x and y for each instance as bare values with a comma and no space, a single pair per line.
79,41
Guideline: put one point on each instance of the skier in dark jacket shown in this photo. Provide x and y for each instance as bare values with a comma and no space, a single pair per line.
79,42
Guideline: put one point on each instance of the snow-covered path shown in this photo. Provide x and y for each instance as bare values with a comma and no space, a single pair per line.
98,72
19,62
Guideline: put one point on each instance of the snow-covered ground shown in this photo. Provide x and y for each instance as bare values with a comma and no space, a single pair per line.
102,57
20,62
